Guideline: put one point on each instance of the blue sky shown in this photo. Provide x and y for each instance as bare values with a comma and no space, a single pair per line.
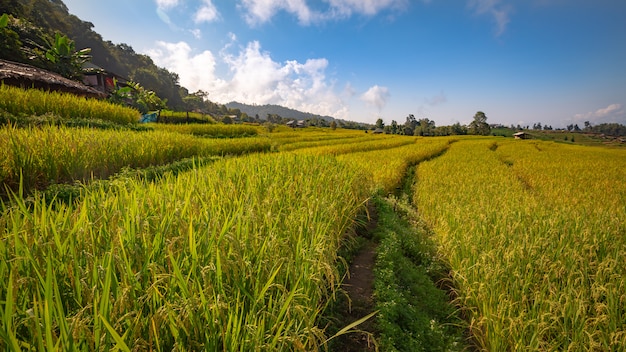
520,61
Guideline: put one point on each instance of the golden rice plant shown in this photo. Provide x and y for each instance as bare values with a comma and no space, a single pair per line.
358,145
236,256
388,167
533,233
210,130
37,102
38,157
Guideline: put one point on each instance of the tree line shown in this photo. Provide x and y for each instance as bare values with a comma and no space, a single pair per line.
426,127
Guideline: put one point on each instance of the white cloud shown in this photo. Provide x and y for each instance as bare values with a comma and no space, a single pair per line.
614,113
167,4
261,11
500,13
365,7
207,12
254,77
376,97
196,33
195,71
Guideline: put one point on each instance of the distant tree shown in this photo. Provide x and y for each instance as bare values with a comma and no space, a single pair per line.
394,127
409,125
227,120
458,129
480,126
570,127
587,126
576,128
380,124
333,125
424,127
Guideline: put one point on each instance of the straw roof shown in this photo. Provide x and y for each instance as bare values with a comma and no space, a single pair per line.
27,76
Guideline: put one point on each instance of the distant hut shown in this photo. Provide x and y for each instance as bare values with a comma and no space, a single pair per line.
378,131
27,76
291,124
521,135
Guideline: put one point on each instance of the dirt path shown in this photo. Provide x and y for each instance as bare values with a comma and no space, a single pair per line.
359,287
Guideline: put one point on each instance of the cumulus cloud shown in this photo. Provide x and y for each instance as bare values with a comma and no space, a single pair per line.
167,4
206,13
253,77
261,11
614,113
376,97
500,12
196,71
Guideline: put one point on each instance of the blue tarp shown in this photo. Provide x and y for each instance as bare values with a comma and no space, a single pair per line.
150,117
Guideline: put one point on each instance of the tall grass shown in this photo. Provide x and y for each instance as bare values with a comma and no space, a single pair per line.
236,256
534,234
47,155
36,102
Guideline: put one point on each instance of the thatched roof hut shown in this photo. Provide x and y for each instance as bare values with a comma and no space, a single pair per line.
27,76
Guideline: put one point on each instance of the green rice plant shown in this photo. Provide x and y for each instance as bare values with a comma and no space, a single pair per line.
533,232
34,158
239,255
213,131
37,102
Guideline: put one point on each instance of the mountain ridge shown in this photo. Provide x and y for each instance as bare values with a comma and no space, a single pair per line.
273,109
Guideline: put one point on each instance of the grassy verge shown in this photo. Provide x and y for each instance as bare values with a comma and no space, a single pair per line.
414,314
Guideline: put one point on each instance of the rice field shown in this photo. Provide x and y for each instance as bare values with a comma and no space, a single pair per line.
33,158
241,253
236,256
534,235
17,101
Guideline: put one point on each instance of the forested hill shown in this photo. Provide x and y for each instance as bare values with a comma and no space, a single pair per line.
264,110
45,17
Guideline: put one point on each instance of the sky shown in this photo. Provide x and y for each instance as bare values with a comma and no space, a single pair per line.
557,62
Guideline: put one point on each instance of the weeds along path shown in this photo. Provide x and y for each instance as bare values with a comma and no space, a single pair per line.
394,274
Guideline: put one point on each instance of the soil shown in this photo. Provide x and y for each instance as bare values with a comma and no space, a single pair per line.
359,287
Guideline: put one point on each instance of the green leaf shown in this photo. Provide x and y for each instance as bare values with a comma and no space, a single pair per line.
4,20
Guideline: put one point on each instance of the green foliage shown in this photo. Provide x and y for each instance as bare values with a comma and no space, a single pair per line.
134,95
479,125
414,314
4,20
66,60
10,44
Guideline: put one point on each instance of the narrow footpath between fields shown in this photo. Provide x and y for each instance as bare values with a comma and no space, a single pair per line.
396,272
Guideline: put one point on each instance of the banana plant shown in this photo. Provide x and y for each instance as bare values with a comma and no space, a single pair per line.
67,61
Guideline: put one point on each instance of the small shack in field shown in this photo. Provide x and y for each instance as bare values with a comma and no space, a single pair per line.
96,77
27,76
296,124
378,131
521,135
